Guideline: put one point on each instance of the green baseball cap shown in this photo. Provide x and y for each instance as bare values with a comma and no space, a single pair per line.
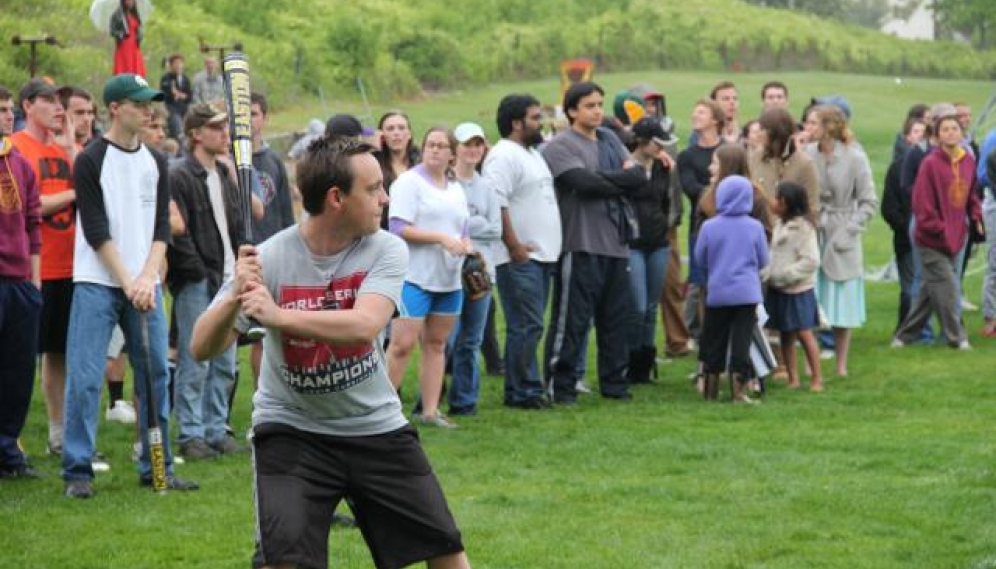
131,87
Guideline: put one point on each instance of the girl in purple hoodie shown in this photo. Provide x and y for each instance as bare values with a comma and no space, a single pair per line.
733,249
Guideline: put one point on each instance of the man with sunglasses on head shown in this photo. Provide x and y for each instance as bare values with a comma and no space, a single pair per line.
123,230
200,259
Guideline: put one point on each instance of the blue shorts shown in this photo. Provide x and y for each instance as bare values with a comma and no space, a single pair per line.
417,302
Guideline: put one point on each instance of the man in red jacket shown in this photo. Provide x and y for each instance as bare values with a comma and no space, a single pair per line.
944,203
20,300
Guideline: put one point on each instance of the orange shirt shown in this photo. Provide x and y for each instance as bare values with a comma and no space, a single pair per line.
54,174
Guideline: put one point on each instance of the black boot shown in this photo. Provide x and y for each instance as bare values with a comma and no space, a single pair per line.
638,371
650,353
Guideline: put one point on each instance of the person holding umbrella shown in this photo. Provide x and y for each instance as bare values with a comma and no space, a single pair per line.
123,20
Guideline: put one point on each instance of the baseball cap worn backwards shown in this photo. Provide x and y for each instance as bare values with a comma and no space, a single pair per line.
127,86
203,114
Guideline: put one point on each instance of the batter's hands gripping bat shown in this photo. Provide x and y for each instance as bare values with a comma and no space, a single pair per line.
157,456
235,70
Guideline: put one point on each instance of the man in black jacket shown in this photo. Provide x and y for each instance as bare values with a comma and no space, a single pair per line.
200,260
589,166
177,89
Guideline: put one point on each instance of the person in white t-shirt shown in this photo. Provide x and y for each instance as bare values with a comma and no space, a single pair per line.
532,239
429,211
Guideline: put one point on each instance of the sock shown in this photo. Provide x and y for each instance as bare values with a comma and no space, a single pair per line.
116,391
55,434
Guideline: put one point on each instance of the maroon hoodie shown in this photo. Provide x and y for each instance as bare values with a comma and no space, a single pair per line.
944,200
20,214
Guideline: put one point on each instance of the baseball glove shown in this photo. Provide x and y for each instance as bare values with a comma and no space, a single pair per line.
476,281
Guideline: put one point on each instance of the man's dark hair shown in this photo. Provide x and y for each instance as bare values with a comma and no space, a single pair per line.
260,99
721,87
918,111
5,94
70,92
325,164
780,127
773,85
513,108
576,92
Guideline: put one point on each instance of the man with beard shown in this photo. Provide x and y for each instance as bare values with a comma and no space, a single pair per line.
532,236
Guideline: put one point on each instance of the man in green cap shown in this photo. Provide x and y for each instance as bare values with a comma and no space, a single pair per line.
122,192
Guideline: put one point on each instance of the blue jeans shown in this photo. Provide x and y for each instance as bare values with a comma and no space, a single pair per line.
20,310
96,309
524,290
646,280
989,283
201,391
465,345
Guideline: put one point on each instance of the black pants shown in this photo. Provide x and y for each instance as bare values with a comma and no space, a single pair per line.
587,286
727,326
20,307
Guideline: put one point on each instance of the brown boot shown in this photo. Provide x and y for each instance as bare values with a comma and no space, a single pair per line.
738,388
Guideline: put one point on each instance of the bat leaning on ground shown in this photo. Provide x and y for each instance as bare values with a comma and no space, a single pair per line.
238,96
157,455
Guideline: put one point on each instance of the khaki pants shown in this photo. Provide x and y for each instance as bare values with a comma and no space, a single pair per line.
675,330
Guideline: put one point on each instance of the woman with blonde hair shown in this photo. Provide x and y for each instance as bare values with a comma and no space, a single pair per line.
847,201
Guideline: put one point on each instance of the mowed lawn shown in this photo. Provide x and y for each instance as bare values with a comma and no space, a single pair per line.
891,467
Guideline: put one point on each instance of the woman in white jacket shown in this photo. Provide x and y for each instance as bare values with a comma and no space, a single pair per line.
847,202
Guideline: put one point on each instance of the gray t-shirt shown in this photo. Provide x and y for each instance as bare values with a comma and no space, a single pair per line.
340,390
588,227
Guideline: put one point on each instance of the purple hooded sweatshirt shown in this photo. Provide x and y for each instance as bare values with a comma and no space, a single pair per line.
732,247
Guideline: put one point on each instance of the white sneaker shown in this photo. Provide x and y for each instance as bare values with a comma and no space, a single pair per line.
122,412
967,306
964,346
582,387
827,354
99,463
897,343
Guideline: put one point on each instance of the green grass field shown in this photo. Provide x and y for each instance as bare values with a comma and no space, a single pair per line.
891,467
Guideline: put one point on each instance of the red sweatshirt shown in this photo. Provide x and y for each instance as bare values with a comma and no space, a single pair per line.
944,202
20,214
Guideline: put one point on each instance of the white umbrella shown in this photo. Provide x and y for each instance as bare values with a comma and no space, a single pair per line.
101,11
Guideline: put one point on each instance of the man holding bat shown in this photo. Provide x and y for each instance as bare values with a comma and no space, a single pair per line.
122,192
327,423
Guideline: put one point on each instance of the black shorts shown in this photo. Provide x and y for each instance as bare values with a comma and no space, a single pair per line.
53,327
300,477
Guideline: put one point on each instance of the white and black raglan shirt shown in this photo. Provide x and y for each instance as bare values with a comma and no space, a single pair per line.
123,196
